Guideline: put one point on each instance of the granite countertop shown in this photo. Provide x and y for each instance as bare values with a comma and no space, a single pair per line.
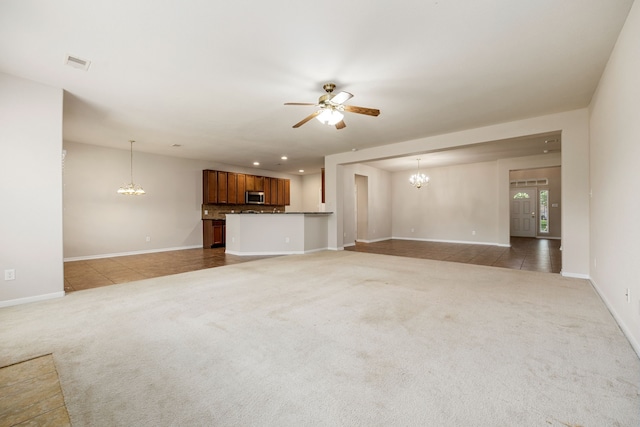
252,212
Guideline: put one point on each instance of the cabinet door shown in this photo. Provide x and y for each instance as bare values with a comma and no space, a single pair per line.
259,183
222,187
232,187
267,191
209,187
207,233
218,233
287,192
274,191
251,183
280,191
241,188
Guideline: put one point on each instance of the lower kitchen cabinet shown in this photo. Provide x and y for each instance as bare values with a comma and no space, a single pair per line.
213,233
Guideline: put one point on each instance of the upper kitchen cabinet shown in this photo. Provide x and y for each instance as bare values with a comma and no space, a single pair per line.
287,192
241,188
222,188
250,183
209,187
259,183
280,183
232,187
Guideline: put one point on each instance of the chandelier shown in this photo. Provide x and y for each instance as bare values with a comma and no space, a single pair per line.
131,189
419,179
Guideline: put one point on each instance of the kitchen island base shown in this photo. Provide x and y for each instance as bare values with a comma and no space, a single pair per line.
283,233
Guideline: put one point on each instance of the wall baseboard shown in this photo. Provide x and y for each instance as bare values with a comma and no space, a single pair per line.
450,241
574,275
150,251
35,298
623,327
382,239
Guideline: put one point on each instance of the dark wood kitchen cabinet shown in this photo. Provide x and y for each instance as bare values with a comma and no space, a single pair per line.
241,188
280,183
224,188
287,192
209,187
213,233
259,183
250,183
232,187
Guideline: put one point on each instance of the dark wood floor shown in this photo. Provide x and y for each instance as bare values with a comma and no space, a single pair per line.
524,254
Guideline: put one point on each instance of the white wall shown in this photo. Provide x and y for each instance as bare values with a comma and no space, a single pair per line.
458,201
311,193
31,189
99,222
615,152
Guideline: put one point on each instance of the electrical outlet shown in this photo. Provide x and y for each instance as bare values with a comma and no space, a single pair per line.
286,240
413,230
473,233
148,238
10,274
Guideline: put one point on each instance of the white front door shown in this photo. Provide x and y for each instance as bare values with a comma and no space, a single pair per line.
523,211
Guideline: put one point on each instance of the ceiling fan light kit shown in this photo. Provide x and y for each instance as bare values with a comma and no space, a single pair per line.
329,117
331,108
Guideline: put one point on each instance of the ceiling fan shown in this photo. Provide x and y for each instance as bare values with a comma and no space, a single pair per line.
331,108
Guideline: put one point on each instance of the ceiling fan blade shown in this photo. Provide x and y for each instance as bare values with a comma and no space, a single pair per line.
299,103
341,125
306,119
361,110
341,97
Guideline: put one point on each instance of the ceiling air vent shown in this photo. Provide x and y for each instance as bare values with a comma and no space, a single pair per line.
75,62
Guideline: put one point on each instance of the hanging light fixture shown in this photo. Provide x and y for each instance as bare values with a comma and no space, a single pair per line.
131,189
330,116
419,179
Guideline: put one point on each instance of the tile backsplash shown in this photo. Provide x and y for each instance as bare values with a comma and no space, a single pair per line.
219,211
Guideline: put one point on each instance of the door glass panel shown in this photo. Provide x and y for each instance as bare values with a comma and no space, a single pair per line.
544,211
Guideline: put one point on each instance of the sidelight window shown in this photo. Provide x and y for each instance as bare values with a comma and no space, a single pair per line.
544,211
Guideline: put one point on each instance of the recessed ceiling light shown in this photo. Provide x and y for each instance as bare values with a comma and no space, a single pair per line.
301,170
256,163
176,145
283,158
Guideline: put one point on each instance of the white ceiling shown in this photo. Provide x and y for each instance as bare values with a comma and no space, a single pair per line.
213,76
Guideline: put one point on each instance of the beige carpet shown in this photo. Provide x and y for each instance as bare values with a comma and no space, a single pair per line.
335,339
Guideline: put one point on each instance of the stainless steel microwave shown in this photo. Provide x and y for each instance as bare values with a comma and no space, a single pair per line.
254,198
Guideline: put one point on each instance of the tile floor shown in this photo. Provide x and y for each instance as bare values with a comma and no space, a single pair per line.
525,253
87,274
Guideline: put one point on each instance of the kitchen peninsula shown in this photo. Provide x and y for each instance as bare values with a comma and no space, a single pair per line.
276,233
